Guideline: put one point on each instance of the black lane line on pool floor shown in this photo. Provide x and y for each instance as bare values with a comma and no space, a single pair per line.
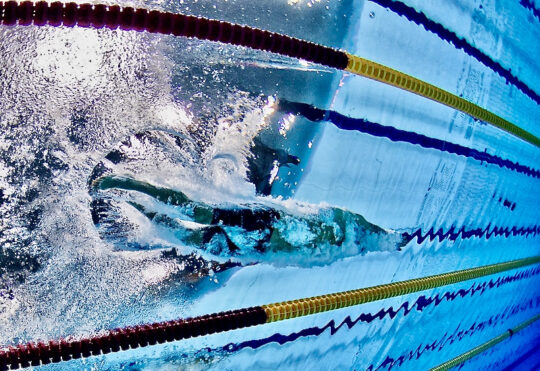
452,234
417,352
529,5
419,305
457,335
460,43
343,122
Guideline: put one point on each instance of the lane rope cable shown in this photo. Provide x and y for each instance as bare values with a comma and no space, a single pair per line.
32,354
153,21
454,362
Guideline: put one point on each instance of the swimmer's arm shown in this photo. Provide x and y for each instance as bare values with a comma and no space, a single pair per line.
165,195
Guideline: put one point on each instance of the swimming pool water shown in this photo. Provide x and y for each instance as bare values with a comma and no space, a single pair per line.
237,129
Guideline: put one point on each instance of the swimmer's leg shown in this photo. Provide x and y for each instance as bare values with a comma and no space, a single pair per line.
192,234
215,230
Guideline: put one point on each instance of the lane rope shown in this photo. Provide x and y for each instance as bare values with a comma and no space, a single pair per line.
153,21
485,346
32,354
303,307
378,72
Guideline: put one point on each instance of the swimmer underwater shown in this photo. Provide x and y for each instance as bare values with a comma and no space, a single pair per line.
249,232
